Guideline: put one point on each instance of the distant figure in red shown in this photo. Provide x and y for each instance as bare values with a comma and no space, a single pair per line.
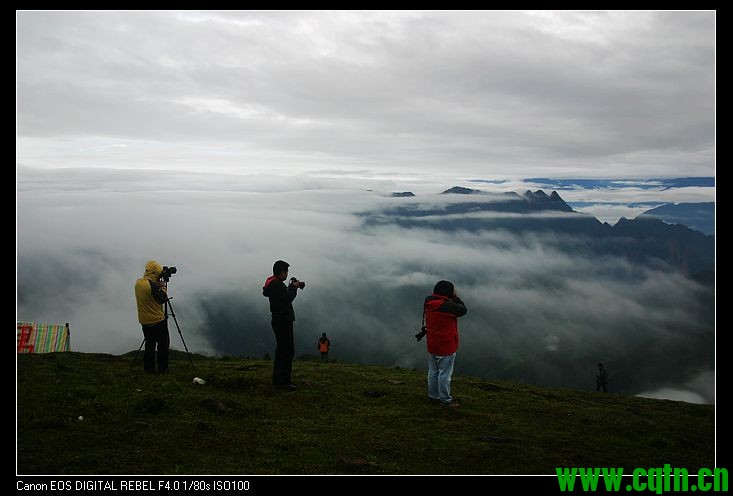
323,346
602,379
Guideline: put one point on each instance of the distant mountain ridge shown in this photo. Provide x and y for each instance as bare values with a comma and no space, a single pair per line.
460,190
641,240
537,200
697,216
512,202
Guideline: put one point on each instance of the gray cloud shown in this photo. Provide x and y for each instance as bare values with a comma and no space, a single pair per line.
496,93
674,395
700,389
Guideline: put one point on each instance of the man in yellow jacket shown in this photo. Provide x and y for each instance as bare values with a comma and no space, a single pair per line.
151,294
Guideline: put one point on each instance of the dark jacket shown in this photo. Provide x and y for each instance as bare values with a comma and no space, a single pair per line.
281,298
602,377
441,320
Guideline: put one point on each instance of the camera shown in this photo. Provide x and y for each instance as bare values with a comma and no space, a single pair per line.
167,272
301,284
421,334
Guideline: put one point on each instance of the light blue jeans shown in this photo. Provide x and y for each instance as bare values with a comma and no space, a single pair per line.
440,370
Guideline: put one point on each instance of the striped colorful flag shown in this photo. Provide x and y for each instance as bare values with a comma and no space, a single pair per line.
43,338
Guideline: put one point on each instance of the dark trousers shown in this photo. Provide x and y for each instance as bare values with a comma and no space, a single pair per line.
284,350
324,356
156,335
600,385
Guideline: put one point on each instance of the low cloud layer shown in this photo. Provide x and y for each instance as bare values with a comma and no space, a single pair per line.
536,314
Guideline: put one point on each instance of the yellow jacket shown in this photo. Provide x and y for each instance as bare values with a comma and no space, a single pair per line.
150,295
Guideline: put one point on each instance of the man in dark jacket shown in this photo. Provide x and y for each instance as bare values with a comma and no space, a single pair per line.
602,379
281,306
441,310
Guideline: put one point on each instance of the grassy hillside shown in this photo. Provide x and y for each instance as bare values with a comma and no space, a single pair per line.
343,419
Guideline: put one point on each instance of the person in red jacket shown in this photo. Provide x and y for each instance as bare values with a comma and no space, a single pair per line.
441,310
323,346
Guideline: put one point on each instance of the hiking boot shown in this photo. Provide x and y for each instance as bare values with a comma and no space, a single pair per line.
452,404
288,387
434,400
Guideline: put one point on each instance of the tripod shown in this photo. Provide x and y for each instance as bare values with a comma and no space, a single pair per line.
168,308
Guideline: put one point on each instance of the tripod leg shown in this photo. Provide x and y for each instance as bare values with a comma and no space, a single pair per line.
173,314
136,354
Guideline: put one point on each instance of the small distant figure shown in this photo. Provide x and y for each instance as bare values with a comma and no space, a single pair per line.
602,379
323,346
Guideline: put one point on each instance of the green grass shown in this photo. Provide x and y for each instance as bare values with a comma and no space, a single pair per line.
343,419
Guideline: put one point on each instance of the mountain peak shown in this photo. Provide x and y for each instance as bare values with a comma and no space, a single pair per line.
460,190
558,203
552,202
540,194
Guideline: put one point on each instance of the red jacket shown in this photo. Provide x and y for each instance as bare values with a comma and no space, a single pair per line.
441,320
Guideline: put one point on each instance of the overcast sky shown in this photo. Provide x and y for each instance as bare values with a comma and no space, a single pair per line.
472,94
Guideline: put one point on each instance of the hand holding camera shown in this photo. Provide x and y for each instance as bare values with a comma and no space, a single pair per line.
167,272
421,334
297,283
